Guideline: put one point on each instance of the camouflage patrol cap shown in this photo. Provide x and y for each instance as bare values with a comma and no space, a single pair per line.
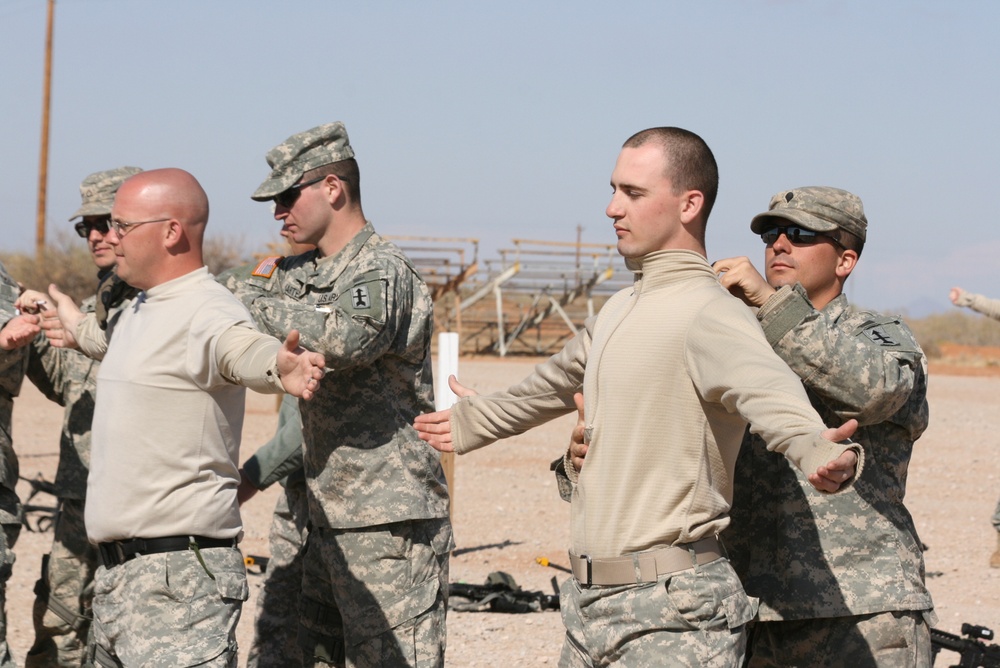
98,191
300,153
816,208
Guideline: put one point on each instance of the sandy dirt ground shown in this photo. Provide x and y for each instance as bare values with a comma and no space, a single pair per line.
507,513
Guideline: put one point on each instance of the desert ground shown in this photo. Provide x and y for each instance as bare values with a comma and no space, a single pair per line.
507,513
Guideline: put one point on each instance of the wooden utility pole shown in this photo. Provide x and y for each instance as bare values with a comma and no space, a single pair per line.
43,162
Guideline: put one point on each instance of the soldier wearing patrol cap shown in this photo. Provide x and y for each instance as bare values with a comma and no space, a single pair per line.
840,578
64,593
376,560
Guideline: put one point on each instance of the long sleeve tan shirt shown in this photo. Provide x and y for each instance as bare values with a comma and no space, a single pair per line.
672,369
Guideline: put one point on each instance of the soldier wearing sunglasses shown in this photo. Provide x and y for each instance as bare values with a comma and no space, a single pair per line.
375,568
840,578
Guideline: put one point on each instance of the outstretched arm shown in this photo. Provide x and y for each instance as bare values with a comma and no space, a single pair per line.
979,303
741,278
19,332
61,329
435,428
834,474
300,370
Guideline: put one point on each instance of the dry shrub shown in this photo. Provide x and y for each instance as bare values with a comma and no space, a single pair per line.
65,262
954,327
222,253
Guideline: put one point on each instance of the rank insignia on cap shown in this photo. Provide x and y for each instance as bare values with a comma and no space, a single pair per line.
267,266
360,298
880,337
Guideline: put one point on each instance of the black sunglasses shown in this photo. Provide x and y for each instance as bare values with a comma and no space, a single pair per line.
287,198
798,236
84,227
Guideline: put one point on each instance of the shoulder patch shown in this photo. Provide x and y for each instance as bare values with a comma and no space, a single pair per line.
267,266
888,332
360,297
880,336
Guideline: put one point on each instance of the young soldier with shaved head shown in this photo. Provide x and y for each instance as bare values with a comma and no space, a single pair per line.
671,369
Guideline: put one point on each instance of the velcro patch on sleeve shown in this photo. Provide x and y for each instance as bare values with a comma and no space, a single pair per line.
267,266
880,336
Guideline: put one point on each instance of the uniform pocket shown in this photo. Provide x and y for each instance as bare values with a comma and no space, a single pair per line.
232,586
377,620
739,609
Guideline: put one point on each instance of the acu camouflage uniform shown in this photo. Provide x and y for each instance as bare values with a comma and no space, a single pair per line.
809,555
275,642
12,369
376,564
64,594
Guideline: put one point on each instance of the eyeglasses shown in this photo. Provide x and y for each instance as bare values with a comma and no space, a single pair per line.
84,227
122,228
289,197
798,236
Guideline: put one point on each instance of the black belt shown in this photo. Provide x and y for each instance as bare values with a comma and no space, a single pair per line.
119,551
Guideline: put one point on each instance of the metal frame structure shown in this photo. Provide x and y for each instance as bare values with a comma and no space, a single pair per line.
541,288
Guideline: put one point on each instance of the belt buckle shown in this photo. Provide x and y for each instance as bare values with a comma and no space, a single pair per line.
590,569
112,553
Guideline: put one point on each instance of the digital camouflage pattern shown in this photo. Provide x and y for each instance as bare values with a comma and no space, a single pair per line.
367,310
377,596
806,554
196,614
12,369
696,618
97,191
64,595
818,208
275,643
276,627
289,160
890,639
69,378
370,314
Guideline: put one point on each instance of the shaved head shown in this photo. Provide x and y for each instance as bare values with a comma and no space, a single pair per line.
174,209
173,193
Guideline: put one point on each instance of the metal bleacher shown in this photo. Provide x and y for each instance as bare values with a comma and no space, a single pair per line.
529,300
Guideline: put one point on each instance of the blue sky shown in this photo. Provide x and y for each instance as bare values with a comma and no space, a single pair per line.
501,120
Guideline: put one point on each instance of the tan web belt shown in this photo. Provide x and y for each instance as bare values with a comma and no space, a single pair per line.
646,566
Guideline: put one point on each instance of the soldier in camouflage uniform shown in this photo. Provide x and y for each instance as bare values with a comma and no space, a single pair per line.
65,591
376,562
991,308
275,643
18,331
840,577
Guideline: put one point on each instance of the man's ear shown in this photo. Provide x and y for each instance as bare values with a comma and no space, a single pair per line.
334,190
846,263
692,202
